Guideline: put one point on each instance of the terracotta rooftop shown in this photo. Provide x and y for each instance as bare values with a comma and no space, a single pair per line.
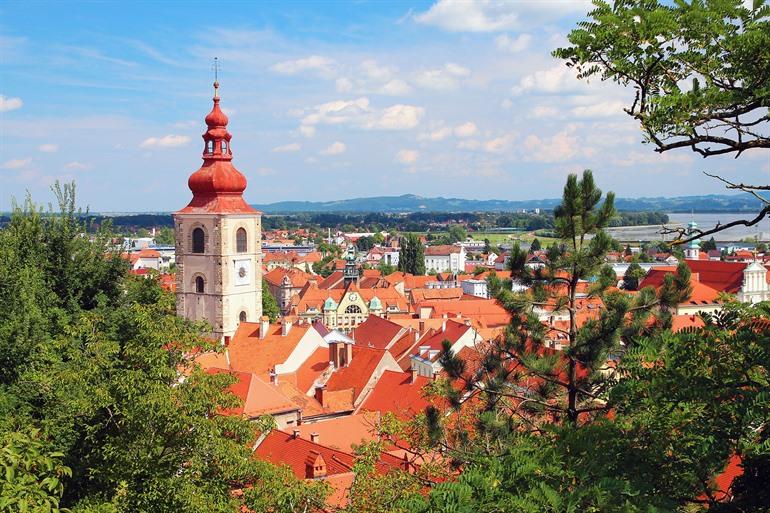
396,392
259,398
377,332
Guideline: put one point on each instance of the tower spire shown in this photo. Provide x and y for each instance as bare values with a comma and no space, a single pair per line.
215,68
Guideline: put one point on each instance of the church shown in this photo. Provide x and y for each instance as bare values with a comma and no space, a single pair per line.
218,239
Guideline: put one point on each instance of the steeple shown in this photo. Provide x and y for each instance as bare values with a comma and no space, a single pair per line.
350,274
217,186
692,252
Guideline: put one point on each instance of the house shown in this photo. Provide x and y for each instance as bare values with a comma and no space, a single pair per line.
400,393
354,371
260,398
446,258
284,284
147,258
313,460
477,288
459,334
346,308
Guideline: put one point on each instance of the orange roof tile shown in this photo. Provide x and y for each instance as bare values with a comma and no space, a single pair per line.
249,353
358,372
396,392
377,332
343,432
259,398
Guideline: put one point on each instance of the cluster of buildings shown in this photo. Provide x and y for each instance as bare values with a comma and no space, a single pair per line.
356,345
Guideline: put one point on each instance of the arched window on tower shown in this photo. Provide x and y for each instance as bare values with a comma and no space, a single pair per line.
240,240
210,147
224,147
198,240
242,316
200,285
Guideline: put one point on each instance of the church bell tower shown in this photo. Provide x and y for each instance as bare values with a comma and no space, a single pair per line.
218,239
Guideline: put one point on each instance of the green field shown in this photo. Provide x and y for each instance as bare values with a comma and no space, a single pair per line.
496,238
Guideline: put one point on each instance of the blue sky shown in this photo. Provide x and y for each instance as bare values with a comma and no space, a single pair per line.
326,101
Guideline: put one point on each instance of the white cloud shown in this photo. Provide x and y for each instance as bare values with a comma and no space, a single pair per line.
440,79
407,156
307,130
468,129
265,171
557,148
334,148
496,15
48,148
287,148
513,45
398,117
543,111
557,79
338,112
395,87
323,66
77,166
8,104
600,109
167,141
438,134
16,163
374,71
343,85
360,114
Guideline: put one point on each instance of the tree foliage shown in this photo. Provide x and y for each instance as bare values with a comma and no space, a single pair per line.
269,304
700,69
97,367
411,257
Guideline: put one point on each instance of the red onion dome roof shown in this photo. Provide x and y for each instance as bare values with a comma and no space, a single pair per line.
216,118
217,177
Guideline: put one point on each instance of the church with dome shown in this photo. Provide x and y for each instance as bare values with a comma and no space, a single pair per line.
218,239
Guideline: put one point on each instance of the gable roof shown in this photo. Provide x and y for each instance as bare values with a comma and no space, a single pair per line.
377,332
396,392
249,353
358,372
259,398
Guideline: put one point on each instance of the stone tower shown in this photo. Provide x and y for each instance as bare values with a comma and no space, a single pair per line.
218,239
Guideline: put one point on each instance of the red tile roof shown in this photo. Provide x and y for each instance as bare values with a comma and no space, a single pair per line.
396,392
443,250
259,398
377,332
343,432
249,353
358,372
297,278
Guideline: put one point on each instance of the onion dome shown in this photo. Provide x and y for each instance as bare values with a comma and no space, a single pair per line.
217,186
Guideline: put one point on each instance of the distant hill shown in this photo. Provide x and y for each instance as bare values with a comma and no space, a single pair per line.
413,203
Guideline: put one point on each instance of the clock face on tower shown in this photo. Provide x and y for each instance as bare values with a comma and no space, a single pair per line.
242,275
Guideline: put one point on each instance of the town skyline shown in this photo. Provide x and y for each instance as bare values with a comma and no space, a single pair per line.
435,99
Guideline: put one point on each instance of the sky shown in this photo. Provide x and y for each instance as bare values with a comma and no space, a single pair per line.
327,101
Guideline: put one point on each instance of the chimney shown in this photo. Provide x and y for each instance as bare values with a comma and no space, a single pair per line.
295,433
468,322
422,326
443,325
435,375
348,354
414,375
264,326
416,335
315,466
273,376
285,326
227,341
319,394
334,354
314,437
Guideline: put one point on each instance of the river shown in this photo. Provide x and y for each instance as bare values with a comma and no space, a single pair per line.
760,231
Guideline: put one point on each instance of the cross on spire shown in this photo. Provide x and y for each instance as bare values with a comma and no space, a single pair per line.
215,69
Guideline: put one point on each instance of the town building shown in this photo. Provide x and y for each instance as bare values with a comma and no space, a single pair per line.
446,258
219,268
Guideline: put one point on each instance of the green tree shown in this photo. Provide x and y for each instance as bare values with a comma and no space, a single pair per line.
101,368
700,71
365,243
535,246
269,304
457,233
165,236
633,276
411,258
709,245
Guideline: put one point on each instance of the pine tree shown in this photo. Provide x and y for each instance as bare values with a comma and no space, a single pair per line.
411,258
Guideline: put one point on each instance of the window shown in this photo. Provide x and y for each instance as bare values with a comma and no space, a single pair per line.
242,316
198,239
240,240
224,146
210,147
353,309
200,285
